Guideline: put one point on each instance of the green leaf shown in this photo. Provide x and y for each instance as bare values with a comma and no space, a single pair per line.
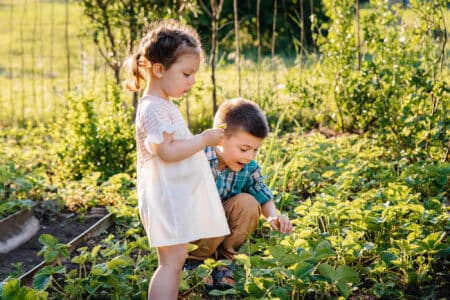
184,285
441,179
245,260
9,288
278,251
343,288
50,255
322,244
303,269
100,270
80,259
327,271
64,250
119,261
48,240
323,253
254,290
223,293
443,253
50,270
288,259
95,250
305,256
346,274
41,281
388,257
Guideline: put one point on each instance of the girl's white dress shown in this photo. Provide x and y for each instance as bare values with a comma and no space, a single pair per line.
178,201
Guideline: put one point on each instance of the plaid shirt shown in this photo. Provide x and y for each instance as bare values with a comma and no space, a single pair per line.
247,180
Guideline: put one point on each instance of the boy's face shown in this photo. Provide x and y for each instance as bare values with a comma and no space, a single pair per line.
237,150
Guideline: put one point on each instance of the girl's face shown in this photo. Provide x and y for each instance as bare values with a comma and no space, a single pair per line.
237,150
180,76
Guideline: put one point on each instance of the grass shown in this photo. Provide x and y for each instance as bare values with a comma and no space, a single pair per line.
34,65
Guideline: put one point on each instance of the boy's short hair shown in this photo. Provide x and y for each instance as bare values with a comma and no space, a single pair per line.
241,114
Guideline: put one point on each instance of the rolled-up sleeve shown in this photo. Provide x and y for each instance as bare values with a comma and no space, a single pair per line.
255,185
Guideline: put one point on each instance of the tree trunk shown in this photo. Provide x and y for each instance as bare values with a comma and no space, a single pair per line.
105,79
11,75
258,38
287,28
311,7
236,32
52,42
302,37
358,38
447,153
212,60
117,68
274,32
214,15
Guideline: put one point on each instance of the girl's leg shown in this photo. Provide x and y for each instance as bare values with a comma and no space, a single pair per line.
166,279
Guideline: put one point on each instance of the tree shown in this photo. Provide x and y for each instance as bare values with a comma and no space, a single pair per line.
214,14
258,39
238,58
274,34
116,26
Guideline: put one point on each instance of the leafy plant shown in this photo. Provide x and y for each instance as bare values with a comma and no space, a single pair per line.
52,250
11,289
9,207
95,138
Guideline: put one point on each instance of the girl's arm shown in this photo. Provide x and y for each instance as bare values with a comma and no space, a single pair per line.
276,221
171,150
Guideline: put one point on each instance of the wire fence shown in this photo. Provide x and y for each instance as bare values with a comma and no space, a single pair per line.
46,55
43,56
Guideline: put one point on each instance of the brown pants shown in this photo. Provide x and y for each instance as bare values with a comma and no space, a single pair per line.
242,212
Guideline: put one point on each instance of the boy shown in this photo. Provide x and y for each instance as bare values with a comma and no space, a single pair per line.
238,179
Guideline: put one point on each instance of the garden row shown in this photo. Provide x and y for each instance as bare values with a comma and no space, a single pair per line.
368,222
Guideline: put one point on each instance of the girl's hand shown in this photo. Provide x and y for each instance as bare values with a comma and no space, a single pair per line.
212,137
280,223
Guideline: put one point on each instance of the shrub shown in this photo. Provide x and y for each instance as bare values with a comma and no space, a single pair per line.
95,138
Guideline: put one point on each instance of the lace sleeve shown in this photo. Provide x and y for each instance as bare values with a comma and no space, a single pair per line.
155,121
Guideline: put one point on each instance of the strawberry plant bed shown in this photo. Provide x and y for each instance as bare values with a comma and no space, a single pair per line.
64,225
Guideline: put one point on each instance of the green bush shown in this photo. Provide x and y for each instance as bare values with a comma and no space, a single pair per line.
95,137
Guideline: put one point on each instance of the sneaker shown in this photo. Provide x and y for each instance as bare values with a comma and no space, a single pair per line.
191,264
223,277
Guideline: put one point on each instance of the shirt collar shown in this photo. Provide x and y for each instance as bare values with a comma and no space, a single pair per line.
212,156
211,153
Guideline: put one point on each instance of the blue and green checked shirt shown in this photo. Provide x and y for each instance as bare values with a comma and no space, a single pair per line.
247,180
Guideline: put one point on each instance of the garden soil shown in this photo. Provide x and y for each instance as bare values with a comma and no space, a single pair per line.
63,225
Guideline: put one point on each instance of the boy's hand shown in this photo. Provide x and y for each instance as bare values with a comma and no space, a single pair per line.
212,137
280,223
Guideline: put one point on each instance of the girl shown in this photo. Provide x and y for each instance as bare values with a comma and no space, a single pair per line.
178,199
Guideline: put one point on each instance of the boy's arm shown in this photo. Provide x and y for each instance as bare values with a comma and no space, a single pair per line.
263,195
276,221
255,185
